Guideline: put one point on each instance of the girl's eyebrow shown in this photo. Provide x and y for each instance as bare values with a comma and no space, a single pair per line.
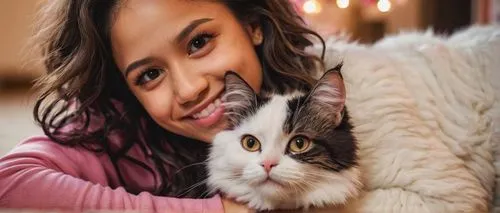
191,26
137,64
181,36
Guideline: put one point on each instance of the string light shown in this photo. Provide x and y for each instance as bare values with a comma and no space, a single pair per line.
311,6
343,3
384,5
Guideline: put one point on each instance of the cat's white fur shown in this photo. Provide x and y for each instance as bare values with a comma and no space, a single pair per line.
424,109
319,187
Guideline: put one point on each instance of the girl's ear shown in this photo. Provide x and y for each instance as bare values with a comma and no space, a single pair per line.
255,32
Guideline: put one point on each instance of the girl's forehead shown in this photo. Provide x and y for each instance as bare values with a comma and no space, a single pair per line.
144,25
135,15
168,9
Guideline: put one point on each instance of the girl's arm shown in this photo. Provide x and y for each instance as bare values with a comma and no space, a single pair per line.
40,174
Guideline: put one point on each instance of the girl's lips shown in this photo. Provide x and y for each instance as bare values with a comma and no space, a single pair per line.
211,119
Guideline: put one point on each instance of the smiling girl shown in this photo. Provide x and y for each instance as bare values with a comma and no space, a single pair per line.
132,95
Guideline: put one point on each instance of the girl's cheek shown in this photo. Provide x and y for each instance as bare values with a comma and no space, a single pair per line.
157,103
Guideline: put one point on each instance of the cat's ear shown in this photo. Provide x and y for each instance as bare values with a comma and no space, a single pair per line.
328,95
239,98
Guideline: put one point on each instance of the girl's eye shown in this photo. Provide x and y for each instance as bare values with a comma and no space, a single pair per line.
250,143
299,144
148,75
199,42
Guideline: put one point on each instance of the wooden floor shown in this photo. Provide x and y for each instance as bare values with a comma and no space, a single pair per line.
16,121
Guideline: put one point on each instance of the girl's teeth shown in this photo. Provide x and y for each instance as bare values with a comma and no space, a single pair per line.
208,110
211,108
204,113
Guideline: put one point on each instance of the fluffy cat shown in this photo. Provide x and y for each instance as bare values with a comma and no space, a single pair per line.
285,151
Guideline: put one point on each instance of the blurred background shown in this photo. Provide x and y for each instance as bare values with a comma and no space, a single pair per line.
365,20
369,20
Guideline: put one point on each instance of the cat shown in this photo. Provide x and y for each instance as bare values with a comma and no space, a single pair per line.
292,151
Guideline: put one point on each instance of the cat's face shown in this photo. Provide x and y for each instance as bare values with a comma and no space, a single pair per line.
285,151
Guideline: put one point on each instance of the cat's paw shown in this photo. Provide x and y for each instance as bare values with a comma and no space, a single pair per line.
244,198
260,204
255,201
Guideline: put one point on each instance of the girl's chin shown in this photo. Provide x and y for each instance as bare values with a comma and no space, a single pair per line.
207,134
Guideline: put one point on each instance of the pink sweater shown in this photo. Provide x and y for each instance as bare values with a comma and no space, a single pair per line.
41,174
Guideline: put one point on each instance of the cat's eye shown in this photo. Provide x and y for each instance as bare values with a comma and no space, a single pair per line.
250,143
299,144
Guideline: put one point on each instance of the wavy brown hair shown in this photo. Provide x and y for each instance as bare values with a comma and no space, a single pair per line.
83,86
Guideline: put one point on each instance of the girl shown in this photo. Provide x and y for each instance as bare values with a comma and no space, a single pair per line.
131,98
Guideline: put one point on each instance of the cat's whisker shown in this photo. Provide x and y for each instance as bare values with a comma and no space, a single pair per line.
207,192
298,174
292,175
194,186
301,185
294,184
233,177
300,188
303,181
296,189
190,165
316,175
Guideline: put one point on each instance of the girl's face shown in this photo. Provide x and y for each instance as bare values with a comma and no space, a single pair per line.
174,54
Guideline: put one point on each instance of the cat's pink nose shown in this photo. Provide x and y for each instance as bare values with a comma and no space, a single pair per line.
268,165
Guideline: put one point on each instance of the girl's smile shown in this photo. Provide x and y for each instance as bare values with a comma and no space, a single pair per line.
209,113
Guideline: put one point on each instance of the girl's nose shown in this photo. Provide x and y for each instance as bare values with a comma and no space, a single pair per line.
189,87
